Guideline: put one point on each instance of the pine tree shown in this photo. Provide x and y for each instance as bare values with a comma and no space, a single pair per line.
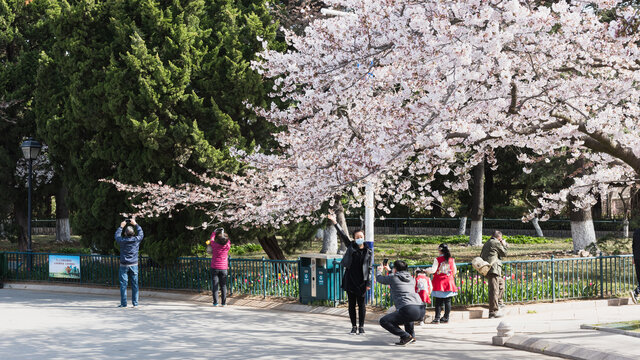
133,90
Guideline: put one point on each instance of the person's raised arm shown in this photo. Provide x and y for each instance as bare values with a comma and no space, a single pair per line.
502,248
433,268
118,235
140,235
383,279
343,237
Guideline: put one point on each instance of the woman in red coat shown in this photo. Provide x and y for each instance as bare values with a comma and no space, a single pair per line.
444,287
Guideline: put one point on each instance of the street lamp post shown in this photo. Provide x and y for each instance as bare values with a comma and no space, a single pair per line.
30,150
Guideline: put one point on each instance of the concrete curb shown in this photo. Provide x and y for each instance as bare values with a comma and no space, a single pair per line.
611,330
546,347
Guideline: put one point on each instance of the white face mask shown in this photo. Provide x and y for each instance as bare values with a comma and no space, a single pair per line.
360,241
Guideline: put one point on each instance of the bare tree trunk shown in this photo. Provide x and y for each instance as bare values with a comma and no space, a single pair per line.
462,227
582,230
536,225
271,247
63,229
342,221
20,214
625,228
330,240
477,211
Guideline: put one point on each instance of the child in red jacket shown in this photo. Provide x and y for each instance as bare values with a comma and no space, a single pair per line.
423,287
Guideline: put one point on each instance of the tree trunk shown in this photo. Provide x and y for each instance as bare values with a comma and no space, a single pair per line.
20,214
330,241
582,230
489,191
462,227
437,209
596,211
63,229
634,207
342,221
536,225
271,247
625,228
477,211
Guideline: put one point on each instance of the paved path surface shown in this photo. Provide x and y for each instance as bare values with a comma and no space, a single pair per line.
45,325
560,324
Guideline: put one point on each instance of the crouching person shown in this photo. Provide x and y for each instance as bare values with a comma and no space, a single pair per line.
409,306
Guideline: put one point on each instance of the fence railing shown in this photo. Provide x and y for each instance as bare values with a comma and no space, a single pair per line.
246,276
525,281
540,280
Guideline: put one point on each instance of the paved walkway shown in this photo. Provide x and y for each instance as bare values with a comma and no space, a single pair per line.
560,324
46,325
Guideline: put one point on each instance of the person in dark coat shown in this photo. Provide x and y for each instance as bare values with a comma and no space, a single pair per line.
636,261
358,263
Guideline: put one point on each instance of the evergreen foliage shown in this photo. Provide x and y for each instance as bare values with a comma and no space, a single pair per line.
135,89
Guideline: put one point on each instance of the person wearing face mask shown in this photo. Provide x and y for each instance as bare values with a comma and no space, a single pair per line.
357,262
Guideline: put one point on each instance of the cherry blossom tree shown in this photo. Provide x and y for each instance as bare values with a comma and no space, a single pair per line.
403,90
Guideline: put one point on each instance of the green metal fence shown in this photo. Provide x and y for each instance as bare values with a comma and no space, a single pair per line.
525,281
246,276
541,280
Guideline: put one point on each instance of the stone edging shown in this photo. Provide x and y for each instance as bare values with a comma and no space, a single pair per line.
611,330
546,347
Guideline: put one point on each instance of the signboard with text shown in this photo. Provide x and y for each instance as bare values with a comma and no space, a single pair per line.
64,266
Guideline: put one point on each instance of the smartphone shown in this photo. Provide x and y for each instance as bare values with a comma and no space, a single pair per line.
385,262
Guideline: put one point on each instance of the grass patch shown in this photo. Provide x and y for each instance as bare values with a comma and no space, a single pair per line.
463,239
47,243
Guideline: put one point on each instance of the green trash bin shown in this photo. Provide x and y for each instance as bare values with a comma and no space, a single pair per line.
319,277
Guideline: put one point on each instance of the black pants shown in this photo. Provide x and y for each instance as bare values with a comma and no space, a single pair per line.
219,278
362,309
439,303
406,315
636,260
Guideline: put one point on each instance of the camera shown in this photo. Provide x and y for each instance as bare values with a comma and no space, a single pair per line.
385,262
128,221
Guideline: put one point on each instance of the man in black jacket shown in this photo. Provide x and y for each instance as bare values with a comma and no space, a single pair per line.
636,260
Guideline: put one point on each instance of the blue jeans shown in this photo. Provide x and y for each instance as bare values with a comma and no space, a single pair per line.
124,279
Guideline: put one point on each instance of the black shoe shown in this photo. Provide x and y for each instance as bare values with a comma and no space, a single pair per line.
406,340
354,330
495,315
435,321
360,330
444,320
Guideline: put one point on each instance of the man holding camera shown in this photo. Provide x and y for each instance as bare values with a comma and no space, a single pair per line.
492,252
409,306
129,246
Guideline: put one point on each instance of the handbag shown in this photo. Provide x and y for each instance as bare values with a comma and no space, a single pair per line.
480,265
